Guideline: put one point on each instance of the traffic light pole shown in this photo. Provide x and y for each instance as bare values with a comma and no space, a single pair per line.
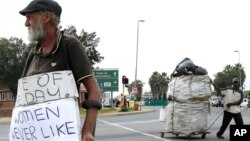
123,88
124,109
112,105
124,81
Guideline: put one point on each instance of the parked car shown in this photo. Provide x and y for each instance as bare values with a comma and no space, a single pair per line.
248,105
244,102
214,101
220,102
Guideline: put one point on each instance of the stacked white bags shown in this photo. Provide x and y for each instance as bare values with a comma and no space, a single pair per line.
188,112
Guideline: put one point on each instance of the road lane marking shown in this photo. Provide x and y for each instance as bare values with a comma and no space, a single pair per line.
133,130
4,138
137,122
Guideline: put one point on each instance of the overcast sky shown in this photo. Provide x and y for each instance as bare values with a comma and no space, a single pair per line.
206,31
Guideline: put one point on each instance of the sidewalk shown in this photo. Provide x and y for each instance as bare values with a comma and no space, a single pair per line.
7,120
117,113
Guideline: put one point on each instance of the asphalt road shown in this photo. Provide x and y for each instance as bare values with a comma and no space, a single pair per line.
145,127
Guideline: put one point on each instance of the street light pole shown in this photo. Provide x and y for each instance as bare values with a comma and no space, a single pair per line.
138,23
137,48
239,65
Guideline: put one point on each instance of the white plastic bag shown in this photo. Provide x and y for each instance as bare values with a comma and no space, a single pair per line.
162,117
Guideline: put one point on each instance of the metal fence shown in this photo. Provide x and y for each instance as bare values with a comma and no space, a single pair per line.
156,102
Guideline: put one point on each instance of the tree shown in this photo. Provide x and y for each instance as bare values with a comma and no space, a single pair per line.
224,79
159,85
247,93
13,54
139,84
90,42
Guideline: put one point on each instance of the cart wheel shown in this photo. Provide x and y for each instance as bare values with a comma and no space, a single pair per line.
162,135
189,137
203,136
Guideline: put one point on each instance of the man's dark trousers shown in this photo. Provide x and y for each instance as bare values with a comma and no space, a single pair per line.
227,117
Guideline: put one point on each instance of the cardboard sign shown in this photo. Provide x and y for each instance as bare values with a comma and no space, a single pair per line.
46,108
45,87
56,120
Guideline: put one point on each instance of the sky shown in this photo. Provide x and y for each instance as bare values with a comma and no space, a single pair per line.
206,31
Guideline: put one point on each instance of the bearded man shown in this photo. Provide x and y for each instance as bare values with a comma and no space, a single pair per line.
56,51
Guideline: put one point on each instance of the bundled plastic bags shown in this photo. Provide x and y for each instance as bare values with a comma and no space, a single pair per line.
186,118
190,88
187,113
186,67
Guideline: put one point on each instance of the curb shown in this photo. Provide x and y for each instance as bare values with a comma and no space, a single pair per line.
125,113
7,120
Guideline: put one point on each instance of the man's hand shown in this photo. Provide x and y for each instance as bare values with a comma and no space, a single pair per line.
229,104
170,97
211,81
88,137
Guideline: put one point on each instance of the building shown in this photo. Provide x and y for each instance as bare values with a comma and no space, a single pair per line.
6,102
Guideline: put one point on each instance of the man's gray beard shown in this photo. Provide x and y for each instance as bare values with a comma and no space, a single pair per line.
37,34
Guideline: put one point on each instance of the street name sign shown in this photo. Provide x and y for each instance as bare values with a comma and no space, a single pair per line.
107,79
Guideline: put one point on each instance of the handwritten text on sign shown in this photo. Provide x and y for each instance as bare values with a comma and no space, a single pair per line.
46,87
46,121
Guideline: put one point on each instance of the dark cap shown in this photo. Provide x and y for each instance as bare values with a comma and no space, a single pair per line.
42,5
235,80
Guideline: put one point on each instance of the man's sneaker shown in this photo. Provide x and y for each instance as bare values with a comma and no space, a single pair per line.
220,136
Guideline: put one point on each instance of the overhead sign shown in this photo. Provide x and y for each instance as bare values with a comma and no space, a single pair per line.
107,79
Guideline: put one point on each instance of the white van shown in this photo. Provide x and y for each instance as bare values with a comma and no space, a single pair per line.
214,101
244,102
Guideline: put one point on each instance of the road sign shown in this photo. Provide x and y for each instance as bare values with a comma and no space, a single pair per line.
107,79
135,90
132,97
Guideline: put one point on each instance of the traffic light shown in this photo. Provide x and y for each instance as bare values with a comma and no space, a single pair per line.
124,80
127,85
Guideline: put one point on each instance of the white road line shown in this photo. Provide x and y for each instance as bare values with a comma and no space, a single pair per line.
133,130
4,138
137,122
